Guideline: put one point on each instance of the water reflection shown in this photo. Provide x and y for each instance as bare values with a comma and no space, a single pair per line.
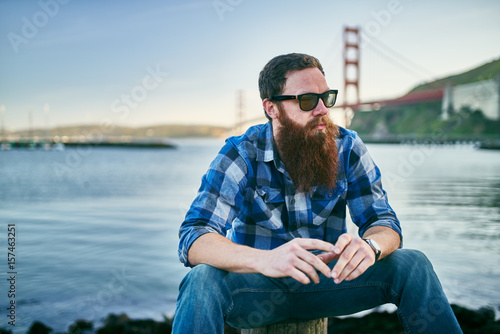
449,206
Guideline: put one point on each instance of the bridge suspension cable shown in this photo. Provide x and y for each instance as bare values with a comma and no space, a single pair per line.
398,59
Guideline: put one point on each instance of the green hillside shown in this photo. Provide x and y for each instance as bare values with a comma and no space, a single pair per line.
484,72
423,120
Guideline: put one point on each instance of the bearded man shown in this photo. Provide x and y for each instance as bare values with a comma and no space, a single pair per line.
266,235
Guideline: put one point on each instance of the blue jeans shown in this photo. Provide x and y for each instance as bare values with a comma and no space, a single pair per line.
208,297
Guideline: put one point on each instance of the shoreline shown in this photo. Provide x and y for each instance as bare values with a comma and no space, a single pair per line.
471,321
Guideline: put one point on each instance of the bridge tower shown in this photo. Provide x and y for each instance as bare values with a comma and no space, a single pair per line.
352,39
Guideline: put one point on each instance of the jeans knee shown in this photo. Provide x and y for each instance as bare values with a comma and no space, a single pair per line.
202,276
412,269
202,300
203,282
408,259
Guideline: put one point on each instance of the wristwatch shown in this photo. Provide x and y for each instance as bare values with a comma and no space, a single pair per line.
376,248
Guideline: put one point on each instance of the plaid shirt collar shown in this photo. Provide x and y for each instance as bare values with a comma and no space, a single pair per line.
266,148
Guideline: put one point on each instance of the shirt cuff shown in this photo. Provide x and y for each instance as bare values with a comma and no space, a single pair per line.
387,223
189,239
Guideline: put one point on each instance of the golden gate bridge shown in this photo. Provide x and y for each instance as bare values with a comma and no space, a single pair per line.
343,113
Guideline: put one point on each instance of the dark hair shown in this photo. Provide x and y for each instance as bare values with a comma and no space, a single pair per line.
273,76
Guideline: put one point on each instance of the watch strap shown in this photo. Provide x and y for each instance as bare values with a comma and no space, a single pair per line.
375,249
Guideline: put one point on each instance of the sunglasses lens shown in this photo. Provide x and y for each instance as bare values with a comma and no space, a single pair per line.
329,99
308,102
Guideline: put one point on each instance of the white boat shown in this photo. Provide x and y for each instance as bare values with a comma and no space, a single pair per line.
58,147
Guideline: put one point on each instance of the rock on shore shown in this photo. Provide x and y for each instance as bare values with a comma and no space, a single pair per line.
472,322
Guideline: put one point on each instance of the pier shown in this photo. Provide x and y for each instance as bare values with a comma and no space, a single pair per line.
56,143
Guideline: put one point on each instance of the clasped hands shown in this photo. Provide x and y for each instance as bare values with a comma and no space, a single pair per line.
293,259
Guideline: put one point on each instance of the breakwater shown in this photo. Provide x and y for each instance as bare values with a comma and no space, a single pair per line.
128,142
480,143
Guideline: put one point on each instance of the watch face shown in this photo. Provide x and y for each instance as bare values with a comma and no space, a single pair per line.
375,245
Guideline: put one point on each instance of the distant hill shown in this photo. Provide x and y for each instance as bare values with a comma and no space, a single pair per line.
178,130
484,72
170,130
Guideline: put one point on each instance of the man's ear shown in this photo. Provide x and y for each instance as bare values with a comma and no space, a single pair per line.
271,108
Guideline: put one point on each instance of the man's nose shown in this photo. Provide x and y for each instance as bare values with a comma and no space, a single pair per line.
320,109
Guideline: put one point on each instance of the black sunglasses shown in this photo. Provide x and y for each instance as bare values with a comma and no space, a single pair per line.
309,101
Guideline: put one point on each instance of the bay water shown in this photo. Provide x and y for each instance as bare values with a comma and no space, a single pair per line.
96,228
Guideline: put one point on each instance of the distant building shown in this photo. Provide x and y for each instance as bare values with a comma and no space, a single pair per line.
483,95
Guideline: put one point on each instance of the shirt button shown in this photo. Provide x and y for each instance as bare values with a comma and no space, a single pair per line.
330,194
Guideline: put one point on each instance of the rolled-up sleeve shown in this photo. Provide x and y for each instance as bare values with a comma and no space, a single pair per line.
218,201
367,200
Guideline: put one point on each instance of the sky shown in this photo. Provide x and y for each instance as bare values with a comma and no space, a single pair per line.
145,63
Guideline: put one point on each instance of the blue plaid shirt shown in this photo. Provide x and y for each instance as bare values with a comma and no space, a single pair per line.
248,196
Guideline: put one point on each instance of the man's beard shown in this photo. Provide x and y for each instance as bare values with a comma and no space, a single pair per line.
310,155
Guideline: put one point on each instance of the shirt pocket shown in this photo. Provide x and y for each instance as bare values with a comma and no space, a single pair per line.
324,201
267,207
